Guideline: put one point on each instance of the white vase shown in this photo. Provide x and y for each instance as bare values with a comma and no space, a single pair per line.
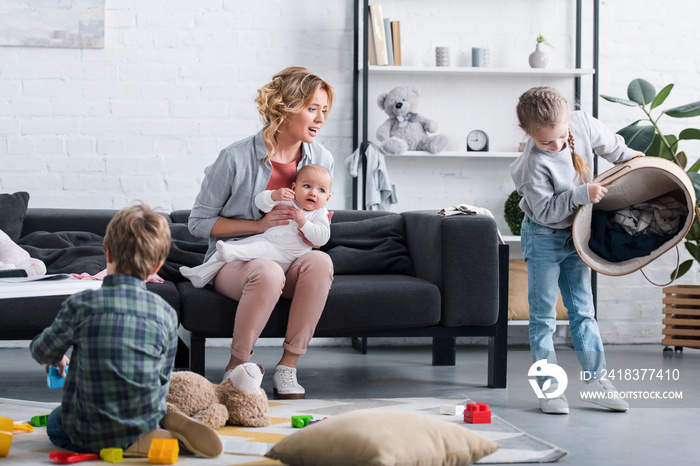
538,58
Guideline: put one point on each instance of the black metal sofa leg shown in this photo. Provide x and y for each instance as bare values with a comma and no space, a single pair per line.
444,351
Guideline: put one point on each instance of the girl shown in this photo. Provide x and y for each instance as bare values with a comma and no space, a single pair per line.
553,175
293,108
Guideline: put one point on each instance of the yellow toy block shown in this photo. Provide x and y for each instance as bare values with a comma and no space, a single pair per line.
163,451
6,431
112,455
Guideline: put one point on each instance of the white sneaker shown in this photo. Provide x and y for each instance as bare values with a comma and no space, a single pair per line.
558,405
285,385
602,393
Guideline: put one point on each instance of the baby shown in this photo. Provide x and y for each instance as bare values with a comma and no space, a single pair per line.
283,244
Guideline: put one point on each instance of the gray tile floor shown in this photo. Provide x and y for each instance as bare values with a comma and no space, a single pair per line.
651,433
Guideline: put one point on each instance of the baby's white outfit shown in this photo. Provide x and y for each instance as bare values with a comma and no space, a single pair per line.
281,244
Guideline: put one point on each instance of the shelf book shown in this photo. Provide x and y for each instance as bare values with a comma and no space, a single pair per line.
396,41
378,49
384,39
389,41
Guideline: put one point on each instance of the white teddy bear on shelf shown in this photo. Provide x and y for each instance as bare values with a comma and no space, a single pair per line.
14,257
405,129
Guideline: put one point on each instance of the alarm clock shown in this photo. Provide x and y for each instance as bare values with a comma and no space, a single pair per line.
477,141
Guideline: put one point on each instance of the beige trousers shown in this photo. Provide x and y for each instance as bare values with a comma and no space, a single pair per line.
257,286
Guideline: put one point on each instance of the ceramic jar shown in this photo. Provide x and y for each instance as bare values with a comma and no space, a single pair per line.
538,58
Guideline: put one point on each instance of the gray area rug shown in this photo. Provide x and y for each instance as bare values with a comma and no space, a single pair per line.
245,446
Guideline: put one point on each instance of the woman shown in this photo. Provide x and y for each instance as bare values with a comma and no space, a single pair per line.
293,107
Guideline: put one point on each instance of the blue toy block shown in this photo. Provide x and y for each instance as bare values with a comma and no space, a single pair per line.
54,379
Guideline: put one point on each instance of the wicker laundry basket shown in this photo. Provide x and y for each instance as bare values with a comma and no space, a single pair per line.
638,180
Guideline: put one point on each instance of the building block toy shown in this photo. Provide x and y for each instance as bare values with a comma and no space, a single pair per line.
69,457
39,421
451,410
301,421
163,451
6,430
477,413
54,379
112,455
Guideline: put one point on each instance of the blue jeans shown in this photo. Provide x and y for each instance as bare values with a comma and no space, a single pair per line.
553,264
56,433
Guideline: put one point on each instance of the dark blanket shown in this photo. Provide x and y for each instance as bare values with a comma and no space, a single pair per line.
82,252
66,251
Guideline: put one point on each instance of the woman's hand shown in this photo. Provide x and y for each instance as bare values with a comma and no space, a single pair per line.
638,154
280,215
596,192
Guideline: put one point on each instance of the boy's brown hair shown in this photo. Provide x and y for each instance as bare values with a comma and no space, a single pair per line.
138,239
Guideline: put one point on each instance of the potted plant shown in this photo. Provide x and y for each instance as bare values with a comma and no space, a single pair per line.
646,136
513,213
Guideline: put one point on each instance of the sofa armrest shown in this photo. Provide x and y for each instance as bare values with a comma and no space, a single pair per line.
458,253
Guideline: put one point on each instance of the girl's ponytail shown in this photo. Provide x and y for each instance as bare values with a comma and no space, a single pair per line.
579,162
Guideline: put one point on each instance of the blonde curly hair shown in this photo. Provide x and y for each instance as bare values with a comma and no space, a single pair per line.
290,91
542,107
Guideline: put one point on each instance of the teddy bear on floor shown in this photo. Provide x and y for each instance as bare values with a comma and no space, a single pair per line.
405,129
14,257
238,400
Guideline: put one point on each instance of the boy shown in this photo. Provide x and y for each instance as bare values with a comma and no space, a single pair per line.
124,340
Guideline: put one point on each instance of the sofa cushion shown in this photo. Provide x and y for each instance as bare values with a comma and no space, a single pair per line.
356,303
374,245
13,208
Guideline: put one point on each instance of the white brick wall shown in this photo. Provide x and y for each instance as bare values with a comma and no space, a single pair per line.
141,118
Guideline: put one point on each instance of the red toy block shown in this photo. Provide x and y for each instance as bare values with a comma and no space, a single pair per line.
477,413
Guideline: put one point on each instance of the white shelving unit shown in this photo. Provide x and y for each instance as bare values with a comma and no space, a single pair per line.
464,154
485,71
486,97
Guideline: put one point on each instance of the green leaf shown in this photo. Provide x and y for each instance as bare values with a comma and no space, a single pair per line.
694,232
638,137
684,111
694,168
695,179
682,269
682,159
618,100
693,249
689,133
661,96
641,91
659,149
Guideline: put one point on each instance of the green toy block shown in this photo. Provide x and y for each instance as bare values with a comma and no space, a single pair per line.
112,455
301,421
39,421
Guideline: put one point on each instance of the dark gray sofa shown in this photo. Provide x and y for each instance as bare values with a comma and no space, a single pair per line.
396,275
